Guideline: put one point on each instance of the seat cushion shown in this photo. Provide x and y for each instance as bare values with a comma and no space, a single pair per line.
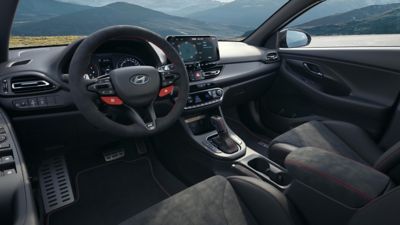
217,201
338,137
210,202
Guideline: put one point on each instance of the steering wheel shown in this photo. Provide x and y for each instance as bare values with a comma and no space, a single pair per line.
132,90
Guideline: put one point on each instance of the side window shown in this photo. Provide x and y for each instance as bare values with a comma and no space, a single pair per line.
351,23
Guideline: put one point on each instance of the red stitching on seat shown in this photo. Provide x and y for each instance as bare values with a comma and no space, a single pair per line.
334,179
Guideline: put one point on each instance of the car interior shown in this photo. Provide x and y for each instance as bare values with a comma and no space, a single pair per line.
126,126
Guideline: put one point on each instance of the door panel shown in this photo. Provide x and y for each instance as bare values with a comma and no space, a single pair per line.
339,84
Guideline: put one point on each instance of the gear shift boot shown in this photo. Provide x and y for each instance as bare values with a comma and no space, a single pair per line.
226,145
223,141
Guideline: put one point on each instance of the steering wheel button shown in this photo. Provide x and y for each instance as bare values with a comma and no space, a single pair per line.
106,92
166,91
112,100
92,87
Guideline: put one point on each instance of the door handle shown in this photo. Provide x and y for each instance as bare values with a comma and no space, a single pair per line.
313,69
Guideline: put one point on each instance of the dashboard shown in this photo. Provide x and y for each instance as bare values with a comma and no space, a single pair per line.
35,81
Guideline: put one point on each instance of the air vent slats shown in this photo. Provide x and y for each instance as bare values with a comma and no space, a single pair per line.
30,84
20,63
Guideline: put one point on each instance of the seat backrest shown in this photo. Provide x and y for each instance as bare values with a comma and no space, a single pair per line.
381,211
389,162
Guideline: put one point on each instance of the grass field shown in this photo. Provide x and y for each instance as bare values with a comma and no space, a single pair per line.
25,41
316,41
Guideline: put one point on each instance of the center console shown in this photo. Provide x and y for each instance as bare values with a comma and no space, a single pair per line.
204,98
200,55
209,130
204,121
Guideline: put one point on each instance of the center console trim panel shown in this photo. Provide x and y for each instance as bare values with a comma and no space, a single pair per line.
218,99
251,155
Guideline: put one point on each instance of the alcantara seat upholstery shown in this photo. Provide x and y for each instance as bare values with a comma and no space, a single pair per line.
341,138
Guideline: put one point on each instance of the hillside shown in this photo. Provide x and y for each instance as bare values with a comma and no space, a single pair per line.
172,7
353,15
378,19
249,13
35,10
253,12
87,21
329,8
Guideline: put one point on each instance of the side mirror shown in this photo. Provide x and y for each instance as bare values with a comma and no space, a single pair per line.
290,38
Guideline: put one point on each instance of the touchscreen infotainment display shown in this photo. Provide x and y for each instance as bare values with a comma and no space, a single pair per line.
196,48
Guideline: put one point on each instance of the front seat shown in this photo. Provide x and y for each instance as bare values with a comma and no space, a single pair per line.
248,201
341,138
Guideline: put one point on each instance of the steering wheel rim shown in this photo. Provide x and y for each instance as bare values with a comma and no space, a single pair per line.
79,86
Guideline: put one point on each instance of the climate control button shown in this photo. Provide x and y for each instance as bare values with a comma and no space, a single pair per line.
3,138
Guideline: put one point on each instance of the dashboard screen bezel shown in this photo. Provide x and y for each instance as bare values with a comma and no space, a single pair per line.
213,39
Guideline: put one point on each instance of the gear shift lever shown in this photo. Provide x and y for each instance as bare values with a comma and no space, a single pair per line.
223,141
219,124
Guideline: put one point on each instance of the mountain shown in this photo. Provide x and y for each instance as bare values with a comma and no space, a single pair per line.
375,19
172,7
194,8
353,15
253,12
35,10
329,8
250,13
87,21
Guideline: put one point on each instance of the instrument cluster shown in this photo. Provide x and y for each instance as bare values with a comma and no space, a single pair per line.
102,64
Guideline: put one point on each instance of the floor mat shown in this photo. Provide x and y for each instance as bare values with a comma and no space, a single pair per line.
111,193
257,142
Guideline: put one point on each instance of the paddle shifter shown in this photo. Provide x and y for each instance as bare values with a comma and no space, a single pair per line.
222,141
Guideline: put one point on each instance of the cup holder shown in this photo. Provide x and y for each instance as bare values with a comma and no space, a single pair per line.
275,174
260,164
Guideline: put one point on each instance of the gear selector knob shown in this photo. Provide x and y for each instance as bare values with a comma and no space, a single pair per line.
219,124
222,140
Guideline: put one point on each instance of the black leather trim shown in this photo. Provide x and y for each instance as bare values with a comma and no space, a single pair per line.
389,160
266,203
384,210
278,152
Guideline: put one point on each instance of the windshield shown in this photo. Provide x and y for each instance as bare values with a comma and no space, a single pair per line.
57,22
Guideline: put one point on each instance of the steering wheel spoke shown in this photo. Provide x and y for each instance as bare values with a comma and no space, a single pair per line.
137,118
169,75
102,86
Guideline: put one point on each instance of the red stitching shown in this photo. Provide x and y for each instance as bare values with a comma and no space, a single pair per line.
334,179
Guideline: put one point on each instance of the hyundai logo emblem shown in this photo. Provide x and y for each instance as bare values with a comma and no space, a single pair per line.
140,79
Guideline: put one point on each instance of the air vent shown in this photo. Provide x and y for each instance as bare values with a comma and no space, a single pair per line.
272,57
20,63
30,84
212,73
